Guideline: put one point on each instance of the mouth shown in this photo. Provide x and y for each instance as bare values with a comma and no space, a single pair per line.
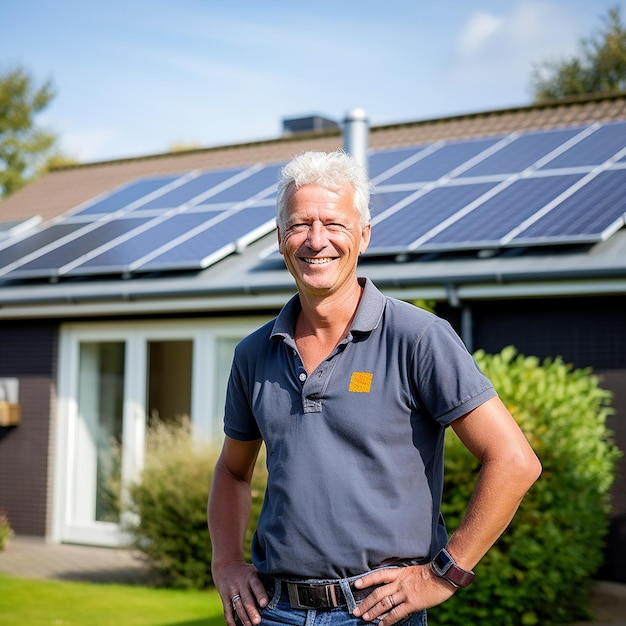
317,261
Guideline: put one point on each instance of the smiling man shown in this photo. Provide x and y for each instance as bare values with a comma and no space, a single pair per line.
352,391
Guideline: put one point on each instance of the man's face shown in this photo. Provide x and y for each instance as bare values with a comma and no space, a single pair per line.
322,239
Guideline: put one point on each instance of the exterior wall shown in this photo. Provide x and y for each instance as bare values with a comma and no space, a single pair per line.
28,352
587,332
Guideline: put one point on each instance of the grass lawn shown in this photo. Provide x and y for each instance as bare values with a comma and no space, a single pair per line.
27,602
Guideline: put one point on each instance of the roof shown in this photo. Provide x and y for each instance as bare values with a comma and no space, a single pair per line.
245,281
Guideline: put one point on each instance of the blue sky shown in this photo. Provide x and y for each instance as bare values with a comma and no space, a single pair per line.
136,77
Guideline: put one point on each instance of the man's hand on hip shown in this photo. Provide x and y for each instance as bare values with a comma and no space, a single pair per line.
404,590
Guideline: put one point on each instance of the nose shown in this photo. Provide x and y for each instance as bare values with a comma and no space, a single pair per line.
316,238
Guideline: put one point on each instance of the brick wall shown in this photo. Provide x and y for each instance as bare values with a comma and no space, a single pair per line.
28,352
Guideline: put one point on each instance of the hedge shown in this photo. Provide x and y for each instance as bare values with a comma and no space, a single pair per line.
541,570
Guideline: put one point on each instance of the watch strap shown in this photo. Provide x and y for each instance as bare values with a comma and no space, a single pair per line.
444,566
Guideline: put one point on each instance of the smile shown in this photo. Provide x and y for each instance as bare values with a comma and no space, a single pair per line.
316,261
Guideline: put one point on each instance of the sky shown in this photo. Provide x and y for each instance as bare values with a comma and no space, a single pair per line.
139,77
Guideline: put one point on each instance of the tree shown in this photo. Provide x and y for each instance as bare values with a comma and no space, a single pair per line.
24,149
600,67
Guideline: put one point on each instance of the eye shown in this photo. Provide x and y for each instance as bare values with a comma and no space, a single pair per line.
335,226
298,227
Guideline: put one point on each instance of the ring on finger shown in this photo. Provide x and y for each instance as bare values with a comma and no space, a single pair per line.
234,599
391,601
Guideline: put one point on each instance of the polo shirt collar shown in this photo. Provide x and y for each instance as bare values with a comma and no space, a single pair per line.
367,317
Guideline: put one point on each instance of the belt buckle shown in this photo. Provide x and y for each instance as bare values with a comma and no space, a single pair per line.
318,596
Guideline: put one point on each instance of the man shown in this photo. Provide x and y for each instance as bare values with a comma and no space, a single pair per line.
351,393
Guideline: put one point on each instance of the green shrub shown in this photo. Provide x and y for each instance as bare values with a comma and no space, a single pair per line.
541,569
6,532
168,506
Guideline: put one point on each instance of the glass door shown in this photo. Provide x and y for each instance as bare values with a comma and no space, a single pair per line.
99,437
169,367
115,380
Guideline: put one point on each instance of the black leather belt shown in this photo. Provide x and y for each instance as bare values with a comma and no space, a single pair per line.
315,595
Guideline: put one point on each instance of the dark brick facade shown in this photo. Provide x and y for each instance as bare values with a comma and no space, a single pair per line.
28,352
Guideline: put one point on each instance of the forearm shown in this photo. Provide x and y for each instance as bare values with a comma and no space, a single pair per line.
229,509
499,490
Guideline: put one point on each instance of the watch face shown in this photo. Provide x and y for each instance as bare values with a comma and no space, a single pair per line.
443,561
445,567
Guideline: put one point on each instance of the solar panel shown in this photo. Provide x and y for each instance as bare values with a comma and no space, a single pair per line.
48,264
600,145
383,201
501,213
533,188
214,242
441,161
126,195
15,252
522,153
194,190
591,213
122,256
384,160
261,181
397,232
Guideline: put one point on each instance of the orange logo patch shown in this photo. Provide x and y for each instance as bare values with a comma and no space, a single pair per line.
360,382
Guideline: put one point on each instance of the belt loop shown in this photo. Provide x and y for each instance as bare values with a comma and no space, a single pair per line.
347,594
275,599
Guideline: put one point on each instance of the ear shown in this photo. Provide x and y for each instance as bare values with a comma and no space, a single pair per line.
366,233
280,240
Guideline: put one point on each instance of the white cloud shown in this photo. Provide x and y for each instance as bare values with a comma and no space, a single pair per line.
477,32
495,52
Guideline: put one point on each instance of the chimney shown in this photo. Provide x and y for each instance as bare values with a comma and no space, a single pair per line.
356,136
308,124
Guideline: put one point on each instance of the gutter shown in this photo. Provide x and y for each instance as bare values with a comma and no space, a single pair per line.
221,300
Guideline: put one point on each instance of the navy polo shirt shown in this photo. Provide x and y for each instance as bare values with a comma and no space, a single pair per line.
355,449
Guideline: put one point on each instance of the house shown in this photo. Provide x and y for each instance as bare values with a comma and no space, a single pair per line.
125,285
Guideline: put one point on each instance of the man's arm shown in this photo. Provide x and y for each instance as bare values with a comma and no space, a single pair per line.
229,514
509,467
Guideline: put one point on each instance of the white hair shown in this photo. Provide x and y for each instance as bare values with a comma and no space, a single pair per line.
330,170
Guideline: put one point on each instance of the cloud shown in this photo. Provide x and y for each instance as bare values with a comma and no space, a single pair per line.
478,31
498,50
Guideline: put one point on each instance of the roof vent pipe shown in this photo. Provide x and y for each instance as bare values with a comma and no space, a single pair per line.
356,135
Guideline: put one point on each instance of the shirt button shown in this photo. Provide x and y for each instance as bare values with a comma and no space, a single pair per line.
302,377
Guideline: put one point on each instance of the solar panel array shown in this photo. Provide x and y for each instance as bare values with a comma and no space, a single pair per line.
536,188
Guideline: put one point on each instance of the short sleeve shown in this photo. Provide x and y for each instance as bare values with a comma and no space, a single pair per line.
239,422
449,381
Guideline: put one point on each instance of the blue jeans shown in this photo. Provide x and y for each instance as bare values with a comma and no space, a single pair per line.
278,612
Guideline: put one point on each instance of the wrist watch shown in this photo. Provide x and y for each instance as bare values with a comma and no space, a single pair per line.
444,566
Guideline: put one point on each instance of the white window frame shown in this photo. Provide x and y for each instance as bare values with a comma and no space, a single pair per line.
136,335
